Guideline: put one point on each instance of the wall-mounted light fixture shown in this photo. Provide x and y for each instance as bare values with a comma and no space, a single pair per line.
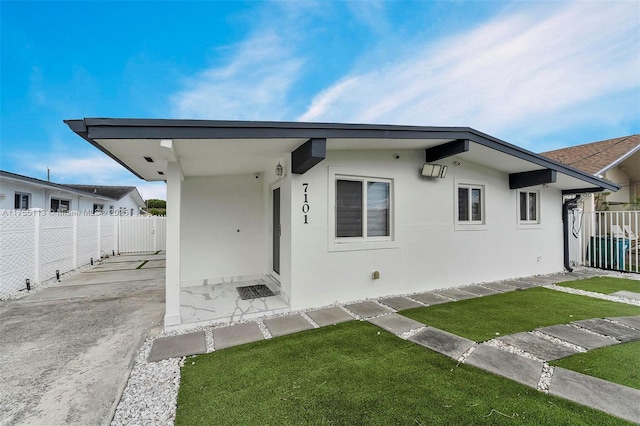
434,170
279,170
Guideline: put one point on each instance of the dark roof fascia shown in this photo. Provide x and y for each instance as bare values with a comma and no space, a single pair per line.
128,128
45,183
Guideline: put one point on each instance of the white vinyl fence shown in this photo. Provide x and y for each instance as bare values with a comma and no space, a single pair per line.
34,245
606,240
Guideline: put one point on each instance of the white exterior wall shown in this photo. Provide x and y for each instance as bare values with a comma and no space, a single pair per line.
41,198
430,253
224,228
621,178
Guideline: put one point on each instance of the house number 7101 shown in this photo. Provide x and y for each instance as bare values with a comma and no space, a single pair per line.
305,203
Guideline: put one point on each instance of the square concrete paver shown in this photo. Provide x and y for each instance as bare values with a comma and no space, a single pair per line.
511,366
400,303
395,323
618,400
329,316
520,284
454,294
287,325
442,342
633,322
429,298
500,287
178,346
537,346
367,309
608,328
577,337
479,290
235,335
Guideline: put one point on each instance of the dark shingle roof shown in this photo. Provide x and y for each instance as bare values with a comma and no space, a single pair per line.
596,156
115,192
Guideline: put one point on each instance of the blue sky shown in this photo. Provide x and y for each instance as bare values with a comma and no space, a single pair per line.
541,75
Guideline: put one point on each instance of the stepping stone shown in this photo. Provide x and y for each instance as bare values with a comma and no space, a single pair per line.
619,332
479,290
537,346
442,342
627,294
367,309
500,287
540,280
287,325
454,294
520,284
629,321
329,316
400,303
617,400
395,323
560,278
429,298
515,367
235,335
177,346
577,337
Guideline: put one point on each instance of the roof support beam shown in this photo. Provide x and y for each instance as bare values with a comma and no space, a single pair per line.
445,150
532,178
308,155
581,191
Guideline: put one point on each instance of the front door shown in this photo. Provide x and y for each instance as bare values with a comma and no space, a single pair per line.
276,231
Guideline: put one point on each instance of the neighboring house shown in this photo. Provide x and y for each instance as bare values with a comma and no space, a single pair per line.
129,200
22,193
340,212
617,160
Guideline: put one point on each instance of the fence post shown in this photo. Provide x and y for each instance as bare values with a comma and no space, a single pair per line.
74,221
155,233
99,224
36,247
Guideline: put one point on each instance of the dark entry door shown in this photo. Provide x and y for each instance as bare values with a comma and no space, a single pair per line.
276,231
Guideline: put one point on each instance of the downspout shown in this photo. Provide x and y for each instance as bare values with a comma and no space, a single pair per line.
566,206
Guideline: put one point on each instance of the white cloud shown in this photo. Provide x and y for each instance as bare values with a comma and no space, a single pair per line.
253,85
521,69
94,169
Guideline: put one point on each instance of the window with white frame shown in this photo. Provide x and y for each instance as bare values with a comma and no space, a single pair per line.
363,208
470,204
60,205
22,201
529,208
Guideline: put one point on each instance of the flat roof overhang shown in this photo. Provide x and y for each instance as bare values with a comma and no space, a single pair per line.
209,147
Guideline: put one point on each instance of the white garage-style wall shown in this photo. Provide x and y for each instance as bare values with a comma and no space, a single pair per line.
428,252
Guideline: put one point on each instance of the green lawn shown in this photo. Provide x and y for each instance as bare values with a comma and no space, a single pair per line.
618,363
485,318
356,374
604,285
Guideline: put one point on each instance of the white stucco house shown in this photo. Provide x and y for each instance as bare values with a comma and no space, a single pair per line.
339,212
18,192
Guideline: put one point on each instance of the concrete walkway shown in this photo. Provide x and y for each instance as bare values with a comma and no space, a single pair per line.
66,351
522,357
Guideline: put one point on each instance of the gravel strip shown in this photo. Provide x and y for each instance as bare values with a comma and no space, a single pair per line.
466,353
593,294
498,344
545,378
308,318
410,333
151,392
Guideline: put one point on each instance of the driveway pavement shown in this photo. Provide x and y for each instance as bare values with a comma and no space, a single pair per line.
66,351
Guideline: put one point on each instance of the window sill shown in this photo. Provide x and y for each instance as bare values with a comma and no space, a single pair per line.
529,225
471,227
336,246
